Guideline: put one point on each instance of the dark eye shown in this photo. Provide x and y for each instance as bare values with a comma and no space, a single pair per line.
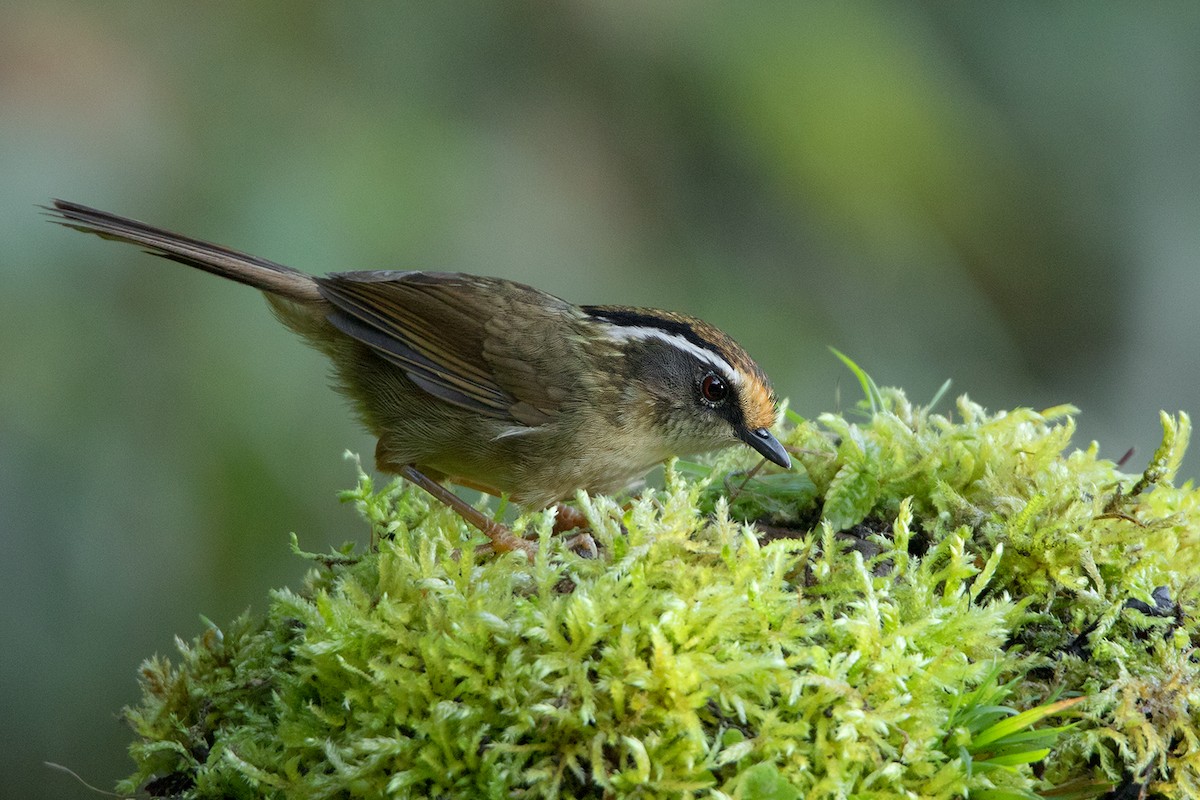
713,389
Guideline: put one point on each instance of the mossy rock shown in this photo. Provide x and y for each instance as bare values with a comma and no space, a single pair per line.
864,626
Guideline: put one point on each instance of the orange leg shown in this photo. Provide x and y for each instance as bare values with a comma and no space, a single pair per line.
566,519
503,539
569,519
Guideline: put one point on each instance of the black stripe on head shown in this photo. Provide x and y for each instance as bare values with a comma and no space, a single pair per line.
756,400
670,324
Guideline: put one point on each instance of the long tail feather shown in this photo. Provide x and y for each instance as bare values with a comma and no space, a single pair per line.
250,270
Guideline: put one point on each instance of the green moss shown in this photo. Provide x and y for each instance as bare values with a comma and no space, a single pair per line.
862,627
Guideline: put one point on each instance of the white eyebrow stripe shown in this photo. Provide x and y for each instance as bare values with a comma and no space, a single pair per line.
623,332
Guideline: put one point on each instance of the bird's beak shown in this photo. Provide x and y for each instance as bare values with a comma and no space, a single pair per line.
764,442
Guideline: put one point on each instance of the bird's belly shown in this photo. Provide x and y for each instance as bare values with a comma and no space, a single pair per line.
597,471
542,470
536,467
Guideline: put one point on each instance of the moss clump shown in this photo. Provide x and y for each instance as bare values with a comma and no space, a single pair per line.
865,632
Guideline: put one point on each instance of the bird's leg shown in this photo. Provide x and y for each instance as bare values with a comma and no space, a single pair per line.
503,539
567,519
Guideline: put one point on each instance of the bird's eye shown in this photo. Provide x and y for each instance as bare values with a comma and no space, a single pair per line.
713,389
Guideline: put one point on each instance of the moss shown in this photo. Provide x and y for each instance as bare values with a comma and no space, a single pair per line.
864,626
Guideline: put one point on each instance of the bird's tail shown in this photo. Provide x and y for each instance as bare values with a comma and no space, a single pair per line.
260,273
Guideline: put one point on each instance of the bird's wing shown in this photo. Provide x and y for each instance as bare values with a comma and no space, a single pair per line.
485,344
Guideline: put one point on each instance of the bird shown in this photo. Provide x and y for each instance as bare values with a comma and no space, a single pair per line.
494,385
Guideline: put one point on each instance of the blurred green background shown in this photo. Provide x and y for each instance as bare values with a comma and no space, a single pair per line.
1005,195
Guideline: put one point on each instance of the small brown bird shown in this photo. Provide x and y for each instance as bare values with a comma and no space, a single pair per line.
495,385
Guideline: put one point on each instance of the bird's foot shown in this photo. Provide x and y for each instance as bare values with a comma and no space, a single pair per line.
568,519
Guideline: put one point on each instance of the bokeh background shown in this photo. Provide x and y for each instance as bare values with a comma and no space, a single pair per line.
1007,195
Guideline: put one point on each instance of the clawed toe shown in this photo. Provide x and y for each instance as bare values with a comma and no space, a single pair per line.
583,545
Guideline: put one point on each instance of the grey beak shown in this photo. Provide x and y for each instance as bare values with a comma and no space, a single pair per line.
764,442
